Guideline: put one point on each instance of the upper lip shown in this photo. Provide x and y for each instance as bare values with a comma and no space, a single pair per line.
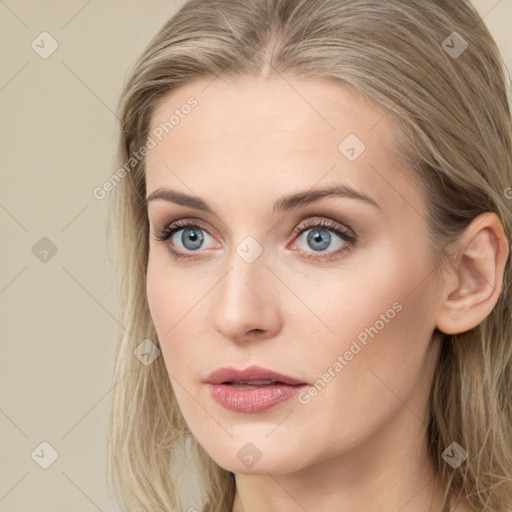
251,373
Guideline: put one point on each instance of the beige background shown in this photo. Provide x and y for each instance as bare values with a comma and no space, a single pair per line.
59,317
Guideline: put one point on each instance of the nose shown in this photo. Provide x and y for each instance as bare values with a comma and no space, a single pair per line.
247,304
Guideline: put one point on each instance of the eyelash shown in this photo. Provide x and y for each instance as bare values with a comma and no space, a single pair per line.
346,235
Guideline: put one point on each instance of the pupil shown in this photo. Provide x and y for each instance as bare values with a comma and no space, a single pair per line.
192,239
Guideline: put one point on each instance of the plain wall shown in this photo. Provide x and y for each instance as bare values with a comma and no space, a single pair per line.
58,316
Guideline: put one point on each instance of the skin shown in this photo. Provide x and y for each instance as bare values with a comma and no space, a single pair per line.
360,444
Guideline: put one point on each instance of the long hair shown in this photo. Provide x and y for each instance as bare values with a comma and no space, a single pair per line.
434,65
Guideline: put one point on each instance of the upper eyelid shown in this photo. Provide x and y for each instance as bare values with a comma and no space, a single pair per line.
303,225
307,223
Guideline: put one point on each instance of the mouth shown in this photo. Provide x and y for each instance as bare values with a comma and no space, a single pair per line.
252,390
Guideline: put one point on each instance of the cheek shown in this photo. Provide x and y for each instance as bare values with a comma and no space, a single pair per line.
160,301
382,315
176,301
171,292
384,292
381,295
162,294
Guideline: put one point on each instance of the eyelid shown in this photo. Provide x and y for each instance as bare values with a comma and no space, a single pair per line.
325,223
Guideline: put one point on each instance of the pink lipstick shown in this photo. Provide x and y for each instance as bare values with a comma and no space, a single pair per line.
253,389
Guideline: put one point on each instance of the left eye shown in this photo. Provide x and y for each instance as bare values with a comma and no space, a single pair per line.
319,238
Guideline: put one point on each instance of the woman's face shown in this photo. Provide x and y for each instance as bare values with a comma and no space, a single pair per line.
347,307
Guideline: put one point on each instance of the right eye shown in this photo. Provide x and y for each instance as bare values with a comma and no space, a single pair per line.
191,239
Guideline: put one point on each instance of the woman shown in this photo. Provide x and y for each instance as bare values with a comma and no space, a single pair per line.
314,260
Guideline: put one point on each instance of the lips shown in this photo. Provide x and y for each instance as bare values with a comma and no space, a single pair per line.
252,376
253,390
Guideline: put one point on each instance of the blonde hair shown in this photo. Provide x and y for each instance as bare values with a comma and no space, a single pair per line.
455,136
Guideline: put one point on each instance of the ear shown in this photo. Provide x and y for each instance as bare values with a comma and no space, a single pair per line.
474,285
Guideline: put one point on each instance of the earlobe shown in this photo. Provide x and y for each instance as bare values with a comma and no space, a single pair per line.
478,271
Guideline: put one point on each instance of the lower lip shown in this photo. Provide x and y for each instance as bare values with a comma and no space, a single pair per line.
252,400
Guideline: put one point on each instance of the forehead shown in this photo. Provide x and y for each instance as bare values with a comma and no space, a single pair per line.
262,106
282,130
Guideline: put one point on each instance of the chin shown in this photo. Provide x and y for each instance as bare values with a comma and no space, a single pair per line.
250,458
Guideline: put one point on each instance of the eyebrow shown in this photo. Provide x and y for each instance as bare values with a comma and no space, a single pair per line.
285,203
